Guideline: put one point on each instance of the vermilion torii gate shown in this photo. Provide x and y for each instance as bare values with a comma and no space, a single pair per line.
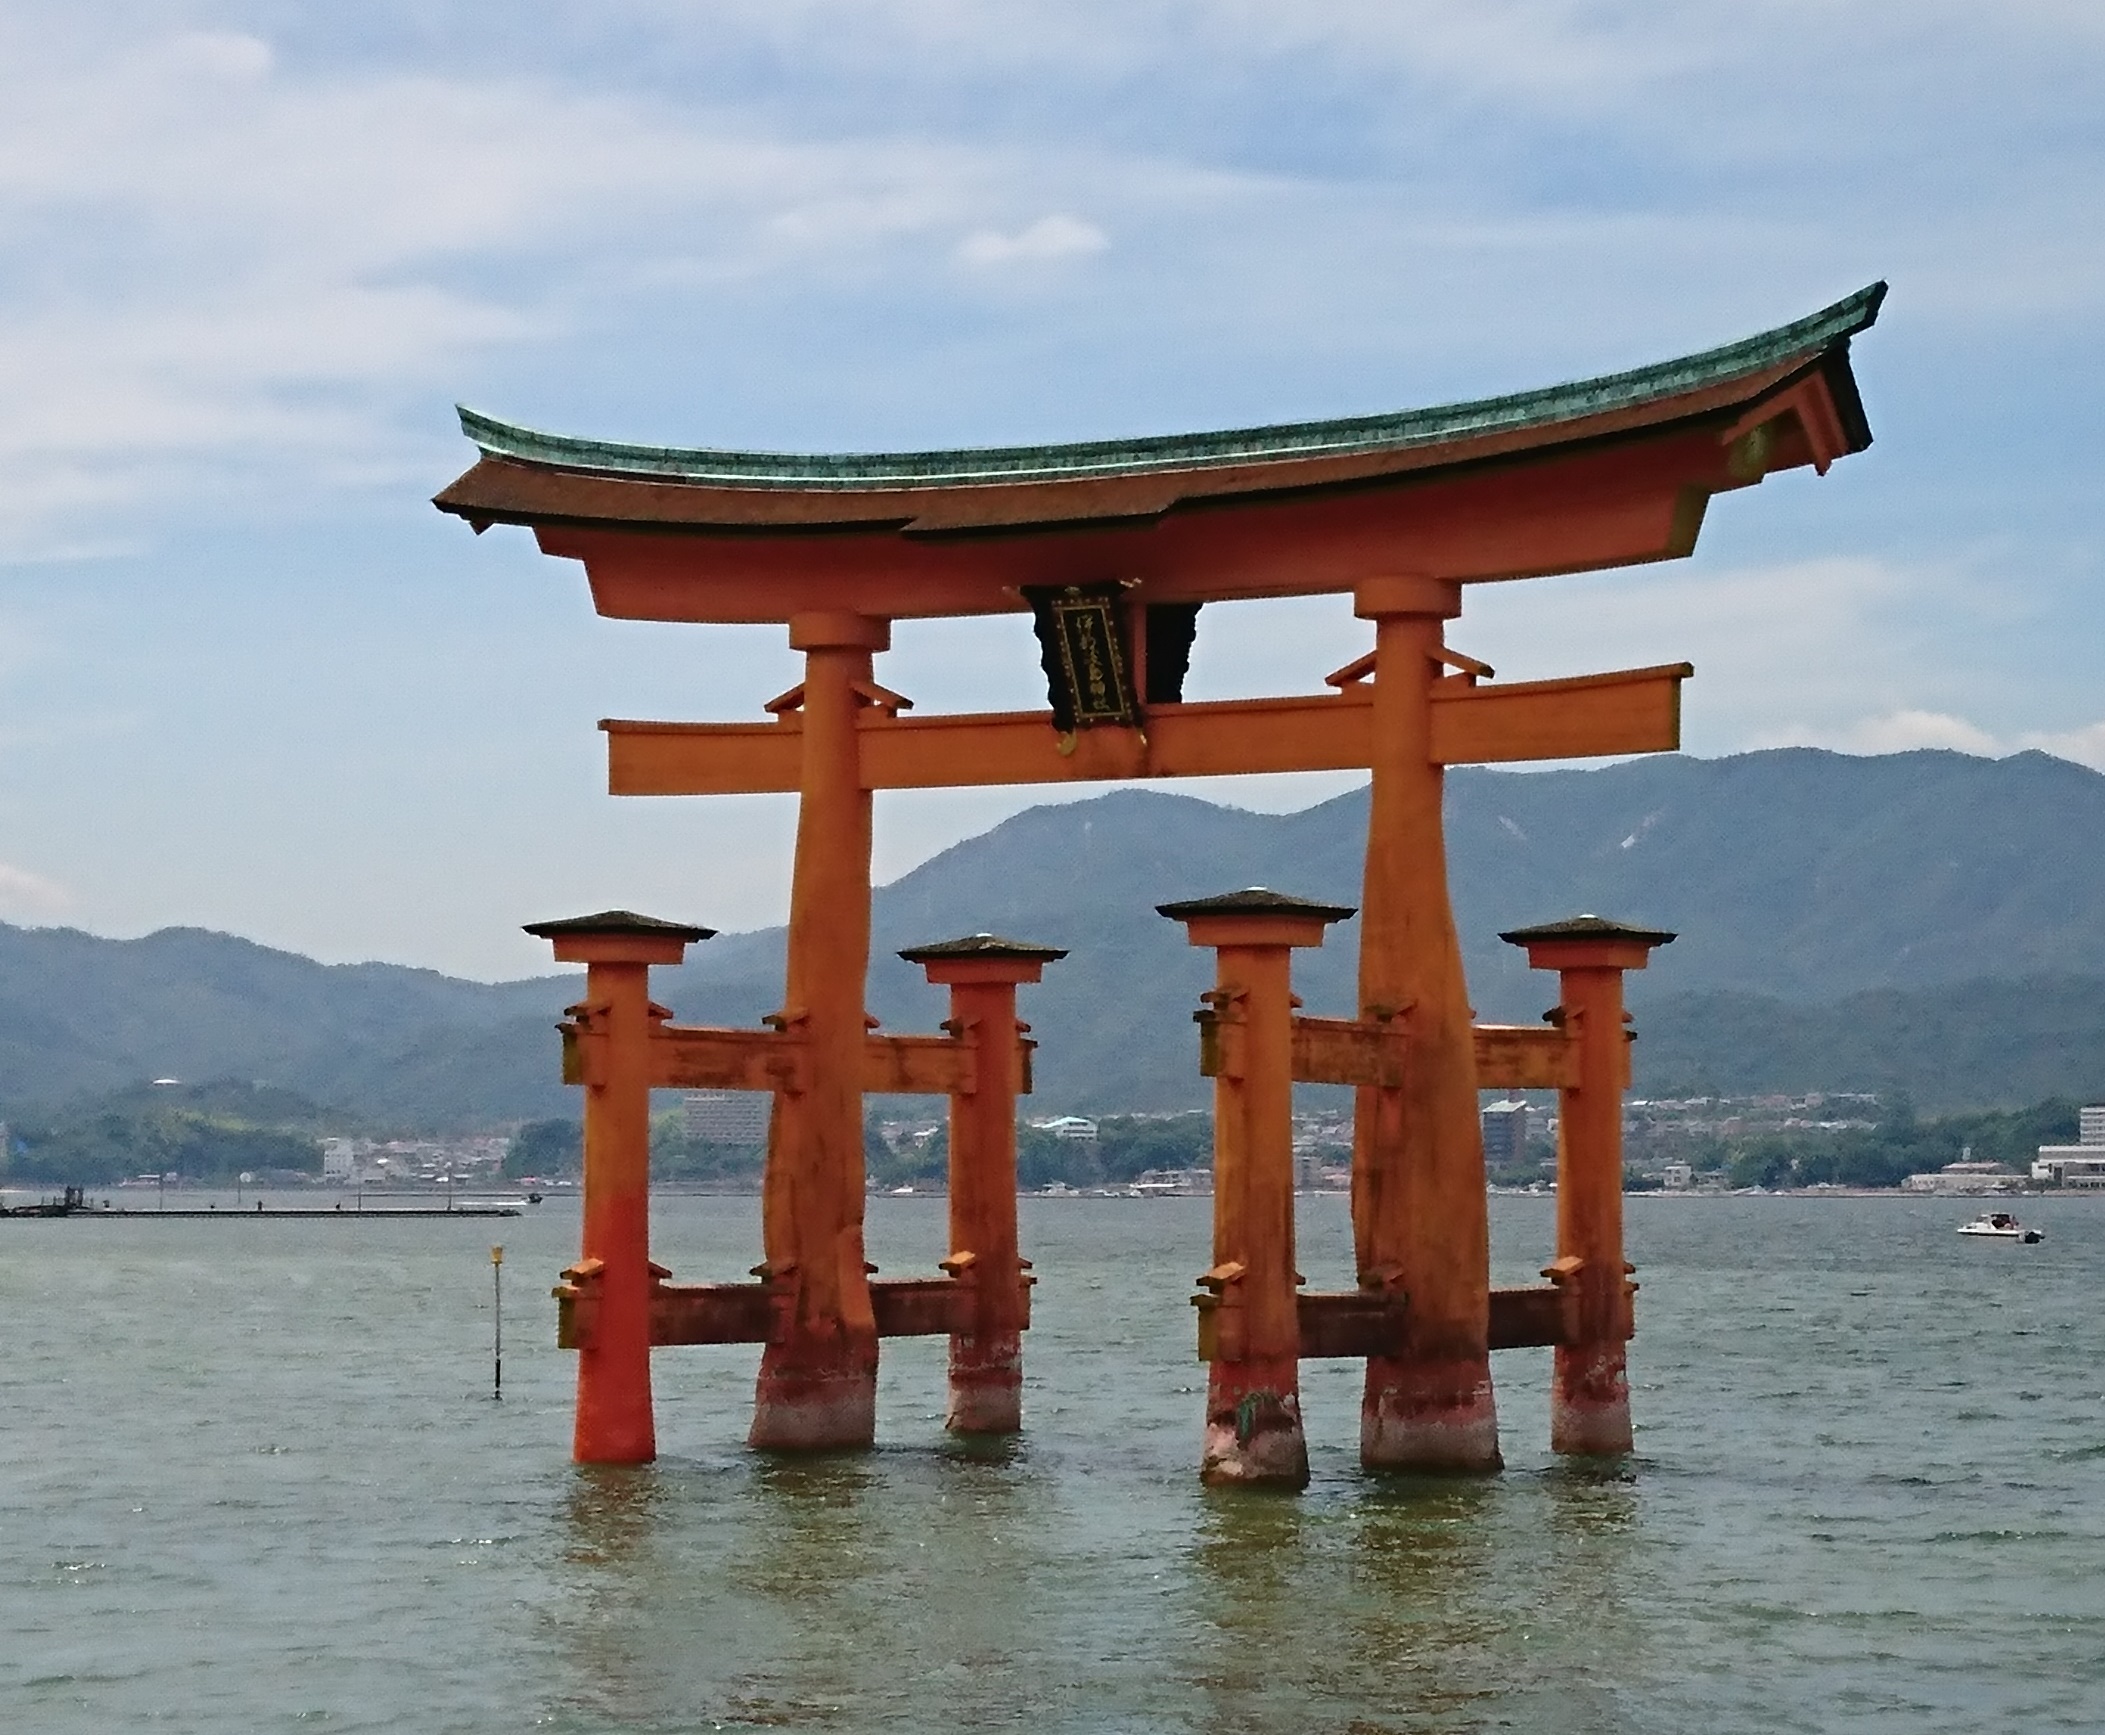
1114,546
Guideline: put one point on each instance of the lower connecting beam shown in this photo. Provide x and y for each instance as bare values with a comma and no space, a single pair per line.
700,1313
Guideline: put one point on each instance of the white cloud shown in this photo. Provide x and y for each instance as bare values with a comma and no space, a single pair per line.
1055,237
2086,746
236,261
27,895
1906,731
240,270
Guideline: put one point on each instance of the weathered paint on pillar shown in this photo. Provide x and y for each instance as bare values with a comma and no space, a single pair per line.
818,1375
614,1422
986,1363
1590,1398
1419,1215
1254,1432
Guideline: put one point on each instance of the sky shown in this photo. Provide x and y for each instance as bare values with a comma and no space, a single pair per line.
252,254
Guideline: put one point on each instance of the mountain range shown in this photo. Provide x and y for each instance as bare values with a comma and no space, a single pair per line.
1927,922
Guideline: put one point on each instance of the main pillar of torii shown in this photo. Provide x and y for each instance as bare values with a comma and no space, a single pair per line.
1114,546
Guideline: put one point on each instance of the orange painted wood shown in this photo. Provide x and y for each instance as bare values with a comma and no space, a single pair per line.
1611,505
1628,711
817,1386
1418,1201
1344,1051
986,1351
1590,1399
1530,1316
693,1057
1249,1325
1590,1148
706,1313
704,758
1253,1166
921,1065
614,1423
1353,1322
1525,1057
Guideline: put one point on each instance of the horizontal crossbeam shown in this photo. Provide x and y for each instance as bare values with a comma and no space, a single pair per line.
704,1313
1629,711
1365,1052
1365,1322
694,1057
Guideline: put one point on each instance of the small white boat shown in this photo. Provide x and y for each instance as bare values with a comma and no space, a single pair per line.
2001,1226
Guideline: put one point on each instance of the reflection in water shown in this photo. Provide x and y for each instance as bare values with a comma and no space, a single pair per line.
1417,1604
609,1511
988,1584
610,1519
852,1592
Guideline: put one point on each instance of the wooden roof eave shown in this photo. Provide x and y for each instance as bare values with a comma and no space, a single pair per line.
506,490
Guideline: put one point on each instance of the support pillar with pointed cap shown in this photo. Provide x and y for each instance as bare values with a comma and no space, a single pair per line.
1420,1218
1590,1396
1250,1328
982,972
613,1024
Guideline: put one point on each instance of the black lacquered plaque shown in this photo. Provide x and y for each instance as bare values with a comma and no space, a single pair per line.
1082,644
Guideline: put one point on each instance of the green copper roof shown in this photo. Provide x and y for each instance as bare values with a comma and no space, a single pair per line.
1802,339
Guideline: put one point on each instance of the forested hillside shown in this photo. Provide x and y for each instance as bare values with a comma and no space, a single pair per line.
1921,921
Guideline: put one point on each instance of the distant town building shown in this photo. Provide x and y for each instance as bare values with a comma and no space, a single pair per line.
339,1159
725,1117
1505,1132
1677,1177
2080,1166
1069,1126
1966,1178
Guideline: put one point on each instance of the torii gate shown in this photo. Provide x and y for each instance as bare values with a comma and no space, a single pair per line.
1114,546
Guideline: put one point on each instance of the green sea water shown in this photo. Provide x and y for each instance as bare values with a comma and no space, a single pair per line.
254,1480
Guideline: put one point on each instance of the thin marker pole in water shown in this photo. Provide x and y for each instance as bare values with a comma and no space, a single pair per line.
497,1296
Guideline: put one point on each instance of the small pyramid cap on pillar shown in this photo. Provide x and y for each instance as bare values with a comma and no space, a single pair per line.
1256,916
1587,928
618,937
1587,942
983,946
983,958
1255,901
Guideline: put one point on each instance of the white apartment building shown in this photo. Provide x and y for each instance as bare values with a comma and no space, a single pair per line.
2080,1167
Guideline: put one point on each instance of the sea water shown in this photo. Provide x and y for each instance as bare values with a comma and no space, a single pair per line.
254,1479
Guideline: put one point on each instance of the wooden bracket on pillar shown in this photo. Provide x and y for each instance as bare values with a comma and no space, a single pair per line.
1223,1327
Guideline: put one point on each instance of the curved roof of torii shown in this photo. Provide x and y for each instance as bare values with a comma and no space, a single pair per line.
1704,423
